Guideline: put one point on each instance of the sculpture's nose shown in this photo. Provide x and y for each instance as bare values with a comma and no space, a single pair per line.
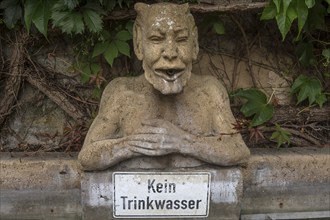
170,51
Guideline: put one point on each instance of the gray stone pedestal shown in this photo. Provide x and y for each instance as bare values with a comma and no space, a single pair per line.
226,186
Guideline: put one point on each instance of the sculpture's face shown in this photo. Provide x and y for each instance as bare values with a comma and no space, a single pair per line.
168,48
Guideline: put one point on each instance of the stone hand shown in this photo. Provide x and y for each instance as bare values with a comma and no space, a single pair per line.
157,137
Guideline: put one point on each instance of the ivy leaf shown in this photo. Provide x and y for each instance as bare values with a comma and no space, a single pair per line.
320,99
269,12
278,5
256,105
42,15
286,17
308,88
129,27
123,47
316,17
100,48
72,23
86,73
304,52
12,12
281,136
69,21
302,12
95,68
30,7
108,5
219,27
71,4
123,35
92,20
310,3
111,53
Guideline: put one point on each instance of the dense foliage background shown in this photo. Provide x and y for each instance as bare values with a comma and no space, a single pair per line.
101,32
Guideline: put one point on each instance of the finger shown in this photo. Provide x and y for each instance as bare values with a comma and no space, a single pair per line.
153,122
151,138
148,152
147,129
141,144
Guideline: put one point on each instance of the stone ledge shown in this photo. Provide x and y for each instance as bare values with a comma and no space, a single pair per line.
275,181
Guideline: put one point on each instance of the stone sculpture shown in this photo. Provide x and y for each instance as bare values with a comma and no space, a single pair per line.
168,109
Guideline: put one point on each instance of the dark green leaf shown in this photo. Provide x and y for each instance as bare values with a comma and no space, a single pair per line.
69,22
278,5
58,17
100,48
8,3
111,53
304,52
78,26
71,4
95,68
108,5
123,47
309,3
123,35
219,27
86,73
302,12
12,12
285,18
42,15
92,20
256,106
129,27
321,99
30,7
269,12
307,88
263,114
281,136
252,94
316,17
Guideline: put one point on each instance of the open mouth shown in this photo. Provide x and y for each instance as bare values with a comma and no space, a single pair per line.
169,74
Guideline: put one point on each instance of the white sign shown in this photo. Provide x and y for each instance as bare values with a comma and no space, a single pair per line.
161,194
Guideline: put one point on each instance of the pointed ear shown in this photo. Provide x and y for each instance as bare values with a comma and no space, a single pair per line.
137,41
195,43
185,8
140,8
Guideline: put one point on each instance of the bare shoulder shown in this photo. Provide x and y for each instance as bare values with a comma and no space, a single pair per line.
122,85
208,84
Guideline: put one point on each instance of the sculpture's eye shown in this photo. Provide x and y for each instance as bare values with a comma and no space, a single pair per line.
156,39
182,39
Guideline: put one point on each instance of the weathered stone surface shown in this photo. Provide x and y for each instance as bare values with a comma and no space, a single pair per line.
39,187
52,186
226,192
168,109
287,180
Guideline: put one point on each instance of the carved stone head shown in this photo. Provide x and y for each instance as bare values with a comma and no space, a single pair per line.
165,39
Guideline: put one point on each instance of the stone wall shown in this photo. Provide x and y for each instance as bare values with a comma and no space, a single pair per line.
286,182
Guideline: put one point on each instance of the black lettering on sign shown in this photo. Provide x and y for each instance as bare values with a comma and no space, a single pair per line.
161,187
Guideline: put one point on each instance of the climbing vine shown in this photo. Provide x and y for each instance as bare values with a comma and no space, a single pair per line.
101,40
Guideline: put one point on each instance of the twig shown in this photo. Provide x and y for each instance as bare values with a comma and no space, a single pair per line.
246,43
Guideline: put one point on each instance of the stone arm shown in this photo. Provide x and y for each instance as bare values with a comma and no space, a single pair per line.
225,146
104,144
